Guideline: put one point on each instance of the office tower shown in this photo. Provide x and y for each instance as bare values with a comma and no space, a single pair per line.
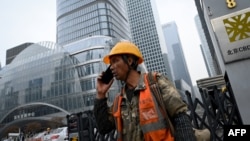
59,79
209,61
147,33
165,58
46,79
84,27
177,60
78,19
40,80
204,14
13,52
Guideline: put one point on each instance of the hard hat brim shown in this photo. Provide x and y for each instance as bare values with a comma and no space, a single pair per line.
106,59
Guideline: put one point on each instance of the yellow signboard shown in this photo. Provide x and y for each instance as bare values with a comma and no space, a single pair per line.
237,27
233,34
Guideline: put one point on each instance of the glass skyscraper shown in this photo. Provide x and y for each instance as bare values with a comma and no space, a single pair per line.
78,19
209,61
83,26
42,72
47,79
176,56
147,33
59,78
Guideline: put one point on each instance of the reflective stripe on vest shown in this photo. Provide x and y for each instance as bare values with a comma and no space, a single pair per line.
152,122
117,116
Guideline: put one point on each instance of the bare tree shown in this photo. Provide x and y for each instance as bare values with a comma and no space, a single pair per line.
33,127
11,129
57,122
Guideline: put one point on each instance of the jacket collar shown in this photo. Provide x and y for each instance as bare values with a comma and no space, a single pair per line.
141,84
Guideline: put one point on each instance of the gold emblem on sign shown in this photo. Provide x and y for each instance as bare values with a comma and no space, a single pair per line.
238,27
231,3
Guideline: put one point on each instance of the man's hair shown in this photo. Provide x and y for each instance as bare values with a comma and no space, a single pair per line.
134,64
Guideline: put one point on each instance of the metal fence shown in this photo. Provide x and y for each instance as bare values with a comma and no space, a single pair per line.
216,108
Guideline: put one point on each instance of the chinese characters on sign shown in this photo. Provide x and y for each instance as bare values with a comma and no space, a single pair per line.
238,50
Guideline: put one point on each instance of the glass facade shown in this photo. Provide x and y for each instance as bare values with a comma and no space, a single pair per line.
176,55
209,60
11,53
146,33
79,19
63,78
89,53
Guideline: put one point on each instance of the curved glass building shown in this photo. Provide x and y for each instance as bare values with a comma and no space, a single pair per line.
78,19
46,79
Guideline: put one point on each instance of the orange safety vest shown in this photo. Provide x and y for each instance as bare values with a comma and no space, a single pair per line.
152,121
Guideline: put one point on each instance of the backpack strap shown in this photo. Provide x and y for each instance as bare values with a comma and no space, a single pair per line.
152,80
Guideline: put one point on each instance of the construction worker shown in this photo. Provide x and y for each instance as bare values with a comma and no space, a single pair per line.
135,114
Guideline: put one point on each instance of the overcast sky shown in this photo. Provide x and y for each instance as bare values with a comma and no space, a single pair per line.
35,21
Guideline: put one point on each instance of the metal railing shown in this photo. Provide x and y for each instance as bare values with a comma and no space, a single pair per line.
217,108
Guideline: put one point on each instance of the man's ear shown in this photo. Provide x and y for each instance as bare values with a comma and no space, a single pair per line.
130,60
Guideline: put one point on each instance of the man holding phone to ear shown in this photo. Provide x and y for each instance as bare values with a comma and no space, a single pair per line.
135,113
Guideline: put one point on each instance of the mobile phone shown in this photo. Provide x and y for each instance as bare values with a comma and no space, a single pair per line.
107,76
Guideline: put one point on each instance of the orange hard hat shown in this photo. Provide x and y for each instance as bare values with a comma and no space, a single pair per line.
124,47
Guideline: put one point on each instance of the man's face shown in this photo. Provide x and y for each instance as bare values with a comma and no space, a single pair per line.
119,67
